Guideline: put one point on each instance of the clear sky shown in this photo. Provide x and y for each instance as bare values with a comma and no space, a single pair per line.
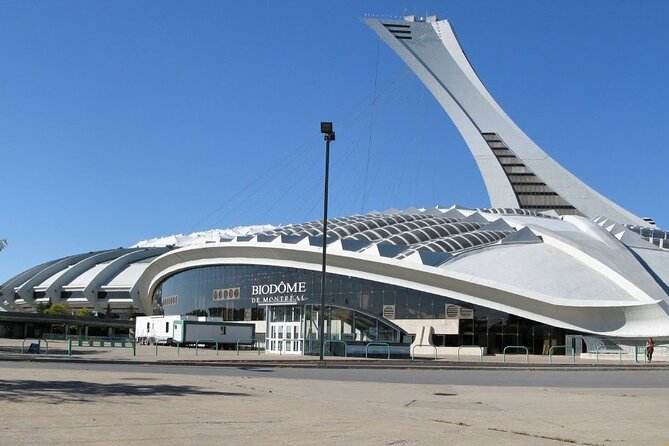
127,120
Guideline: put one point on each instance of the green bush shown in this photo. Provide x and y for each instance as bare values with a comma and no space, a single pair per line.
84,312
59,309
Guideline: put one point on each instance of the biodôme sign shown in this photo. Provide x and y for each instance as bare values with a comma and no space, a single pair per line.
281,292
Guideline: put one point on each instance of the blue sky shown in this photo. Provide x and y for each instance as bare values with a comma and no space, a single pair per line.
122,121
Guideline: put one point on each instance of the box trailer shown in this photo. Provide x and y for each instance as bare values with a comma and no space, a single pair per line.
210,333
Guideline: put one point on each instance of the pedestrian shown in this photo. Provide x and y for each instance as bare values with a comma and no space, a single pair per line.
650,346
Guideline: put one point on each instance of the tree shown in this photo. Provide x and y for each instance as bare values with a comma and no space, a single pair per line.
84,312
41,307
59,309
3,244
130,313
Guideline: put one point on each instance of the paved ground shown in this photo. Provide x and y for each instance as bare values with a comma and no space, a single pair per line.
152,353
50,405
82,403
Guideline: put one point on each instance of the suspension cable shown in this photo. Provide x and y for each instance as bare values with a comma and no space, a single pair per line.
371,126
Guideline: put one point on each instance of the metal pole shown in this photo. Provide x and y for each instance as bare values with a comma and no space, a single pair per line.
325,231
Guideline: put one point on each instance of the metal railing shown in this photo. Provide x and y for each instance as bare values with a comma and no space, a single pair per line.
252,342
377,344
518,347
199,341
336,341
565,347
645,356
46,351
282,345
413,348
471,346
619,352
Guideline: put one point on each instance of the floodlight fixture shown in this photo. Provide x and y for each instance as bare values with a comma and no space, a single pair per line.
327,131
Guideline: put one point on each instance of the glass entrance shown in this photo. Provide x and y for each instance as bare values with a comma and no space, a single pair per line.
284,329
344,324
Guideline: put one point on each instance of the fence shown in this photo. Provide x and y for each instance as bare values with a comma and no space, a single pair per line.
113,343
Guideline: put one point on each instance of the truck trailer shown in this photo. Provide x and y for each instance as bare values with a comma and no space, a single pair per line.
210,333
182,330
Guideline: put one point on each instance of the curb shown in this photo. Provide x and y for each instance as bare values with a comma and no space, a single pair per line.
344,364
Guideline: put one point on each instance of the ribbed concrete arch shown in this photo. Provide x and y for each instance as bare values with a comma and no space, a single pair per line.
7,290
53,291
114,268
25,291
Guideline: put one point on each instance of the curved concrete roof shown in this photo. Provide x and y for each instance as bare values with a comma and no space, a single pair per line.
569,272
566,272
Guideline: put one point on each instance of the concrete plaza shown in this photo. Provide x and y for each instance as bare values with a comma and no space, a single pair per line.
58,401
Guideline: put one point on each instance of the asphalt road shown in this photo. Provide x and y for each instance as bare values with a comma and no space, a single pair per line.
561,378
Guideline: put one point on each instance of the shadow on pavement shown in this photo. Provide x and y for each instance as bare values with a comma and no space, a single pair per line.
54,392
58,350
256,369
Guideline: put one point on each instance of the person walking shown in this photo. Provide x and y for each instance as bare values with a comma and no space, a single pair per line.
650,346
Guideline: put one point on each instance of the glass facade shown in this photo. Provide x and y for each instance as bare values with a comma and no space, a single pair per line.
357,310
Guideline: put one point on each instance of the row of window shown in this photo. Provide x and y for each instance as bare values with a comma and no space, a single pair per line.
194,289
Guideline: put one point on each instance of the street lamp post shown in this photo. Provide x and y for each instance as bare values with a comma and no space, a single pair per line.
328,135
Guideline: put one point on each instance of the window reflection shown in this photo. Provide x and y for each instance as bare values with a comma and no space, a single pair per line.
354,307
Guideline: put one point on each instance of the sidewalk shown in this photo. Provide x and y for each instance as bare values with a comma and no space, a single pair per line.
11,349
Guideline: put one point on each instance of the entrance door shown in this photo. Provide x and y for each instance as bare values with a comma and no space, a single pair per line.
284,328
